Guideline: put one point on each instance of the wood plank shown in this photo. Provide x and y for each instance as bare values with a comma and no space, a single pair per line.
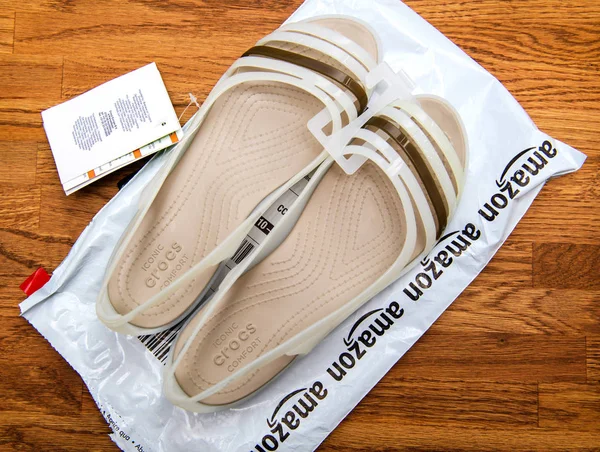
33,431
22,252
452,403
19,339
519,38
19,206
105,30
492,10
10,296
49,388
502,309
511,266
572,406
574,126
173,6
21,119
31,76
566,266
527,358
46,172
18,162
7,31
572,86
358,433
593,358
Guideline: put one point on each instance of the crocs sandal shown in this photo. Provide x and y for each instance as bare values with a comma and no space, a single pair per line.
247,145
356,235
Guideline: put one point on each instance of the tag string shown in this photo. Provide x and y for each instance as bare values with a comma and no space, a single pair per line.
193,100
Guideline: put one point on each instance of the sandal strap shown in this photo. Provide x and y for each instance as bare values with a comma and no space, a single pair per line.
438,138
335,38
314,65
305,42
408,178
419,161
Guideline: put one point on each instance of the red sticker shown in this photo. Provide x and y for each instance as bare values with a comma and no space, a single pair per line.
35,282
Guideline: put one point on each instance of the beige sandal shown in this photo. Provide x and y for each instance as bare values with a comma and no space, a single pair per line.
248,144
356,235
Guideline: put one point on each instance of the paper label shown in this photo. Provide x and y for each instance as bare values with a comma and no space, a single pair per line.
104,170
109,121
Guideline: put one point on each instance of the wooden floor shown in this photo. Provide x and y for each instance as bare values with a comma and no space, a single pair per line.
514,364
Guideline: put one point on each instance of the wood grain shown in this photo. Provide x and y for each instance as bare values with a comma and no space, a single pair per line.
566,265
524,311
31,76
17,162
511,266
593,358
7,31
195,75
383,434
568,405
514,364
500,357
453,403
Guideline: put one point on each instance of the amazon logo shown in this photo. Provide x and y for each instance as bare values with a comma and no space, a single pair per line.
517,176
288,415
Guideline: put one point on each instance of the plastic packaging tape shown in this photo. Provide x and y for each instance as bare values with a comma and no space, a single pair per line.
510,160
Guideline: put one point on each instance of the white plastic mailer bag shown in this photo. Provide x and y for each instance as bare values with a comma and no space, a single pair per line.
509,162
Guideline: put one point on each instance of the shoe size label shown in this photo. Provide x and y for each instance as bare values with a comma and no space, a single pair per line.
160,343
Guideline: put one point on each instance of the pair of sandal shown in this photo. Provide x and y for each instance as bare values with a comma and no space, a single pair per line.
387,171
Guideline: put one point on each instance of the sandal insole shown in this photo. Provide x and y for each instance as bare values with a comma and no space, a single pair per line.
253,141
350,233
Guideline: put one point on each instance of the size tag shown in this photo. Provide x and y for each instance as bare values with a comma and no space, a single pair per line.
387,86
109,121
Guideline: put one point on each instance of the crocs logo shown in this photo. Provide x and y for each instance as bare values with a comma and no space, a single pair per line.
162,259
511,186
238,348
288,415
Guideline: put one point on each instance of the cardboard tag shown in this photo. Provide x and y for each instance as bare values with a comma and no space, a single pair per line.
109,122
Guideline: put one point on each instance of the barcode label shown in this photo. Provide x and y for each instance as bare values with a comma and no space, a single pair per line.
160,343
245,249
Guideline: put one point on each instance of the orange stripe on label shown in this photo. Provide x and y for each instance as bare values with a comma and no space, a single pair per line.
137,154
174,138
91,174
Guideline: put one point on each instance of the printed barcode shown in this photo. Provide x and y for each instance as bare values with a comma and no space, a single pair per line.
242,252
160,343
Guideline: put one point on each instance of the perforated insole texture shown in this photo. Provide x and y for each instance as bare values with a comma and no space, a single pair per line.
350,233
253,140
